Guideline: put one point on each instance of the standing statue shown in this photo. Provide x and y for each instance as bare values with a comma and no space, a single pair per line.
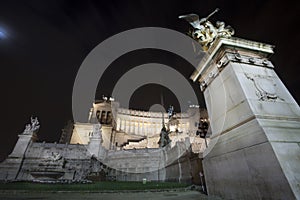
170,111
97,132
33,127
164,138
27,129
204,31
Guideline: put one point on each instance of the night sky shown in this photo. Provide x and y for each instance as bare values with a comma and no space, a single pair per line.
43,43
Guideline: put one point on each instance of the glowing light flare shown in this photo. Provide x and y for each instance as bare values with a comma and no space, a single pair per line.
3,33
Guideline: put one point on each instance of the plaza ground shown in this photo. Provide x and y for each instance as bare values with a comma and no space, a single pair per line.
190,195
97,186
101,190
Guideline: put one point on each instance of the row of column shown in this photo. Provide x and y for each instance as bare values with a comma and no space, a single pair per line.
104,117
138,127
142,127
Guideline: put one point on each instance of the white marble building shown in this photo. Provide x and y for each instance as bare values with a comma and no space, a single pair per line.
116,143
128,129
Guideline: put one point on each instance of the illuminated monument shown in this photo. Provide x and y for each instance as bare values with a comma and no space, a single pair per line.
114,144
253,152
255,122
127,129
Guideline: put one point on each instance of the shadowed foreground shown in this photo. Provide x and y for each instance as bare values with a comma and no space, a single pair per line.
91,187
191,195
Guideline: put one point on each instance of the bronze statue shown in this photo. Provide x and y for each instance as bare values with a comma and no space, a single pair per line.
204,31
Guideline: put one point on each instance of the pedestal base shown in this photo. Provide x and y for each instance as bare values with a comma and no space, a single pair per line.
250,162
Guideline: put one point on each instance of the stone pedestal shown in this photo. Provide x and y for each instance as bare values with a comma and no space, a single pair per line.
95,144
254,151
21,146
10,168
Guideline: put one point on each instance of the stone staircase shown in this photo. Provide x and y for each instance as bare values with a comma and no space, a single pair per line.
151,142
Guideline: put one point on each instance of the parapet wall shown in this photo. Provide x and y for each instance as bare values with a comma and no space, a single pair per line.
173,164
48,161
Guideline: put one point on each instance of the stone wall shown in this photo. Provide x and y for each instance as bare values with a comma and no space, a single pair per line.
47,161
54,161
175,164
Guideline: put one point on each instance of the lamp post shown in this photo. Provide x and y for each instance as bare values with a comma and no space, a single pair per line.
202,129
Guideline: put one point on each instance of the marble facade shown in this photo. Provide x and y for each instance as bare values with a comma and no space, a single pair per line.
128,129
254,148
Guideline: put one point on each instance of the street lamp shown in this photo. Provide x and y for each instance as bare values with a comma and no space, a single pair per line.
202,129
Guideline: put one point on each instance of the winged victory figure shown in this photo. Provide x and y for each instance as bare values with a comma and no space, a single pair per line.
204,31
